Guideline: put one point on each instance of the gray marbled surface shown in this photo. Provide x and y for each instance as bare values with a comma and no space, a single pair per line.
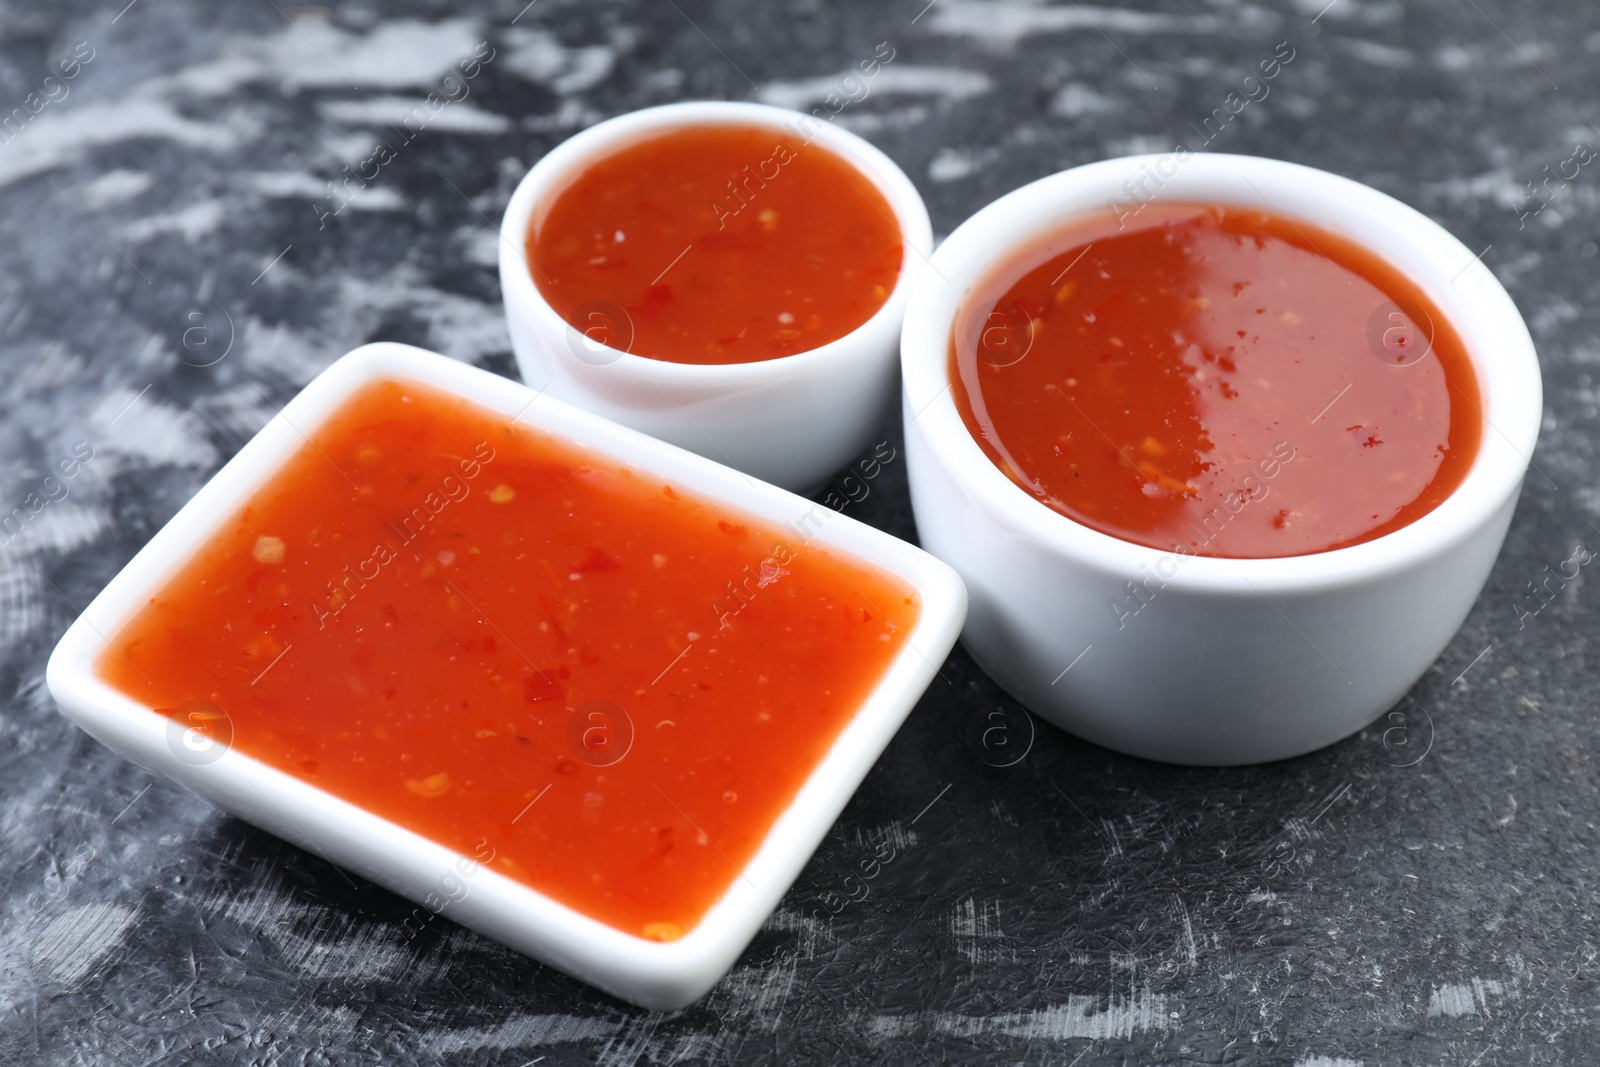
1423,892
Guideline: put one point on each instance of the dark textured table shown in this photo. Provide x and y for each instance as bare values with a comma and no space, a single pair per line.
173,268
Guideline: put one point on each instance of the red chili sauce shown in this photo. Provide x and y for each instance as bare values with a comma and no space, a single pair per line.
600,685
1217,381
717,244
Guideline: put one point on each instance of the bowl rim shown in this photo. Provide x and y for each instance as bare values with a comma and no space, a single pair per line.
1501,350
620,962
562,163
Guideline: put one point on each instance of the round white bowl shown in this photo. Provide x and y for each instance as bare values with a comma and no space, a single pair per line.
792,421
1233,660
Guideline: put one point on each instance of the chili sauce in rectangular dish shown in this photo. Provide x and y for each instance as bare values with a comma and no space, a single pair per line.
520,649
1218,381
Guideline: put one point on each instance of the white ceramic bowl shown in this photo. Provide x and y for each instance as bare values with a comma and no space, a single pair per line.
1234,660
651,974
792,421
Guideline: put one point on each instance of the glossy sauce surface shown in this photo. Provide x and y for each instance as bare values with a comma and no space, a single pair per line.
1222,382
595,683
717,244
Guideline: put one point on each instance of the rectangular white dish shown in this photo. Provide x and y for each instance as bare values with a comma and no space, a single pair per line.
652,974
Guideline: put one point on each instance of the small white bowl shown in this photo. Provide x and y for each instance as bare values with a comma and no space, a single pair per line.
792,421
1233,660
651,974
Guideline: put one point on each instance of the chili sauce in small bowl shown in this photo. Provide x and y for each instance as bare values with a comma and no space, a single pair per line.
1216,380
720,243
1223,447
728,277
